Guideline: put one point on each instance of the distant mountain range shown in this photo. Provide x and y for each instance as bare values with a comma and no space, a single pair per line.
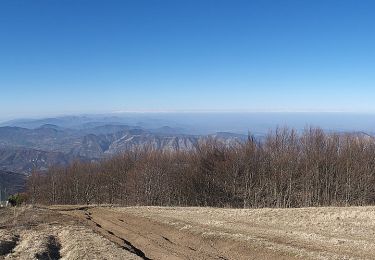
26,145
22,149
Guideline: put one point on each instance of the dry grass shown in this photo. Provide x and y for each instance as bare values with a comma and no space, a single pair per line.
317,233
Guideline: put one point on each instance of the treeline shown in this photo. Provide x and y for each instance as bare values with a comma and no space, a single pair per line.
286,169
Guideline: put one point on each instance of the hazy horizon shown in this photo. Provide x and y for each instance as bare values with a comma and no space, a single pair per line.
211,122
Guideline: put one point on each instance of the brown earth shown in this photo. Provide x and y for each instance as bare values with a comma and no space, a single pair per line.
88,232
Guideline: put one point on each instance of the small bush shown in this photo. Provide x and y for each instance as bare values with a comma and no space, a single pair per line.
17,199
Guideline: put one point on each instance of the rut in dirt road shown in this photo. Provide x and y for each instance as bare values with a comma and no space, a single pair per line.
128,246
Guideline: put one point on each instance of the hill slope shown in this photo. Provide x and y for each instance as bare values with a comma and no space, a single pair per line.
11,182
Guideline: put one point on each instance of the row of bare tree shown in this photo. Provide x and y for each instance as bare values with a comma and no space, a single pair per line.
287,169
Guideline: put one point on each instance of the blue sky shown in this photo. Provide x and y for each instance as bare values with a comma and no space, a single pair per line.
85,56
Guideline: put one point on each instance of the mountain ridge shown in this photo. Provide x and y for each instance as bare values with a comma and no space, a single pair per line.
24,149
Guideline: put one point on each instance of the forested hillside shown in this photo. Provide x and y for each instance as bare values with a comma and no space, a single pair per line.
287,169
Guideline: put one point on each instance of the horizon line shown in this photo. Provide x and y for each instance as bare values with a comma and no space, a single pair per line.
118,112
227,111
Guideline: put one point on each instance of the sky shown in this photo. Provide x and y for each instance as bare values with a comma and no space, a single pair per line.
87,56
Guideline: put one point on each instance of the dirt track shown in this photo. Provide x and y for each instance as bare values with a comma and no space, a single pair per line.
155,240
186,233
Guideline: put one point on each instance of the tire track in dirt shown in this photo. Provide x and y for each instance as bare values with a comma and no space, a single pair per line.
155,241
128,246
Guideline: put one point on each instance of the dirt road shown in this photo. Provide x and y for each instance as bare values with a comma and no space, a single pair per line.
152,239
70,232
